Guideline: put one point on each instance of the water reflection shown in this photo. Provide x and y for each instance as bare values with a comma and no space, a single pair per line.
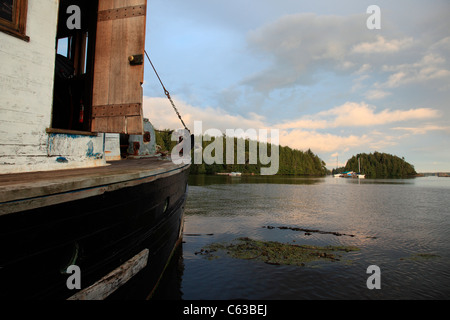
205,180
170,286
391,220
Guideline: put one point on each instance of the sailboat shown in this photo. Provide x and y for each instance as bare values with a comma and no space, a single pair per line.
360,175
337,175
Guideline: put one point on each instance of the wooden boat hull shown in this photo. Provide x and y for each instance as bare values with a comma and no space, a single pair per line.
98,234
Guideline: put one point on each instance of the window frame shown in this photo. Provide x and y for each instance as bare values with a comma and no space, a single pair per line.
16,27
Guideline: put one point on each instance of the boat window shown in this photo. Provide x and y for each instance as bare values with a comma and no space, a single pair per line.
13,18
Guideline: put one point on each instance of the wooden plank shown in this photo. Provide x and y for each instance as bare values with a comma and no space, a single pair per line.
100,124
102,63
114,280
136,29
117,124
108,4
136,123
119,76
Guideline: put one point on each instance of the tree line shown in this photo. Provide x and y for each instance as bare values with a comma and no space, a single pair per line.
295,162
291,161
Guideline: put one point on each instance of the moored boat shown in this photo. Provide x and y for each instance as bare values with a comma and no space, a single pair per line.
78,218
352,174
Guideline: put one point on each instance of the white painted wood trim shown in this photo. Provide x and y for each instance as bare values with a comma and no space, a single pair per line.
114,280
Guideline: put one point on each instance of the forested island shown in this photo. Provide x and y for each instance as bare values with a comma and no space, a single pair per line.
291,161
379,165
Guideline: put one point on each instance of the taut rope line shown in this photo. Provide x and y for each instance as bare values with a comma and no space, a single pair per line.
167,93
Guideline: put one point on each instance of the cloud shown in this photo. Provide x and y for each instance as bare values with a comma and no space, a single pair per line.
381,45
299,45
432,66
424,129
344,129
163,116
352,114
364,68
303,51
321,142
377,94
307,132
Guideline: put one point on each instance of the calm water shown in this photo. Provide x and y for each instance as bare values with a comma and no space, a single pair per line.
392,221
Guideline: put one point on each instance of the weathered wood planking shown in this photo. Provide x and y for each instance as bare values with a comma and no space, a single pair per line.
26,86
116,82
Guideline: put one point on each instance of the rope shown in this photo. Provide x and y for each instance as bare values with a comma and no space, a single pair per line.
167,93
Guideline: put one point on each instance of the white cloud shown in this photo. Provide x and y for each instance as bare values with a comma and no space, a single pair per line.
352,114
381,45
431,66
377,94
163,116
321,142
424,129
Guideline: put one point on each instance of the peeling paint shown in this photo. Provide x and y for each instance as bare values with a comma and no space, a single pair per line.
143,145
62,160
90,153
27,100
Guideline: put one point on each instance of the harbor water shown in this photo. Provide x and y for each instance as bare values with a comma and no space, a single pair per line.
402,226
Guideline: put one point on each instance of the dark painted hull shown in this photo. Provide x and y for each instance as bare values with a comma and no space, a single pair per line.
98,234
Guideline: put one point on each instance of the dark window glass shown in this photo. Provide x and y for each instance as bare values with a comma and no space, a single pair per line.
6,9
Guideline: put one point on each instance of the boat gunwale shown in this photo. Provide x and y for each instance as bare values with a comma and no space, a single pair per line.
73,184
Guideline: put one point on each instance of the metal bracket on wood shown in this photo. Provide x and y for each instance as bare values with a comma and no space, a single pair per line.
133,109
122,13
136,60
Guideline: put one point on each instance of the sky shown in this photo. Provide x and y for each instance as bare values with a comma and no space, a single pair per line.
311,69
